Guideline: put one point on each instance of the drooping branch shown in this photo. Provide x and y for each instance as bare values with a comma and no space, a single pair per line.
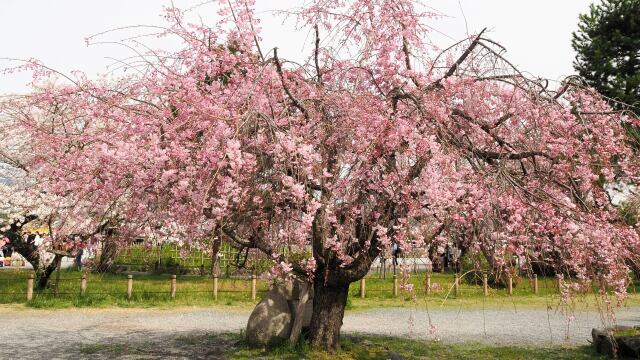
407,58
316,54
492,155
485,127
253,31
457,63
293,99
255,241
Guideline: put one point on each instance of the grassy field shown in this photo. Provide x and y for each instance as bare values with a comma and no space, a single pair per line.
104,290
368,347
233,346
137,257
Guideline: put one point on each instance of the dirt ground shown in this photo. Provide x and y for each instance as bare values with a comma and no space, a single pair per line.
205,333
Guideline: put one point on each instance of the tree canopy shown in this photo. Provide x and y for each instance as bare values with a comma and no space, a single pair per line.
375,139
608,47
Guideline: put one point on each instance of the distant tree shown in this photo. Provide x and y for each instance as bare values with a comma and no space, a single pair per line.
608,47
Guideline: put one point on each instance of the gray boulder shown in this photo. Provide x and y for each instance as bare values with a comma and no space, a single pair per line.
291,289
270,322
606,342
306,313
630,346
602,342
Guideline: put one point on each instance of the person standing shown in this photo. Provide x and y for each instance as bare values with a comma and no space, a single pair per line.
395,252
78,259
447,257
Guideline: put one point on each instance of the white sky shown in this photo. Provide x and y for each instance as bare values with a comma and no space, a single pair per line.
536,33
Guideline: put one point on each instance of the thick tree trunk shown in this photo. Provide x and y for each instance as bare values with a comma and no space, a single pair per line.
215,261
328,311
28,250
542,268
107,255
43,276
436,262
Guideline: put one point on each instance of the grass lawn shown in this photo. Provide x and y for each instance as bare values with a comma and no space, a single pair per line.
368,347
104,290
233,346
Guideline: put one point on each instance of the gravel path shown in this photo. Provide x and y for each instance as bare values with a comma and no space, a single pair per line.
491,327
62,333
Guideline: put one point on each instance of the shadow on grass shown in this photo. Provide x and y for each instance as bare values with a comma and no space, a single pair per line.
233,346
184,346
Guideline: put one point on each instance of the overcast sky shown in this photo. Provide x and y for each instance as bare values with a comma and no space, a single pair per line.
537,34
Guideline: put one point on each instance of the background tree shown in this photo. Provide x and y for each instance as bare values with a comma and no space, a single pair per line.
608,47
23,202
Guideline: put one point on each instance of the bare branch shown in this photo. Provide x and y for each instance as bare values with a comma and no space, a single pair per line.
316,54
295,101
461,59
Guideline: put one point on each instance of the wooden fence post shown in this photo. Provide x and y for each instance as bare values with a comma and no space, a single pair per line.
58,266
253,287
30,287
384,269
485,284
510,282
395,285
173,286
456,285
428,283
362,288
535,284
215,287
129,286
83,284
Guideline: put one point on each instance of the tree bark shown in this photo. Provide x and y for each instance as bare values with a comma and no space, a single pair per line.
107,255
43,277
436,263
328,310
216,244
28,250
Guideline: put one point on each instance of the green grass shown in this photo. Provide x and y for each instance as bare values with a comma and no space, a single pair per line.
627,332
368,347
137,257
233,346
105,290
379,294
